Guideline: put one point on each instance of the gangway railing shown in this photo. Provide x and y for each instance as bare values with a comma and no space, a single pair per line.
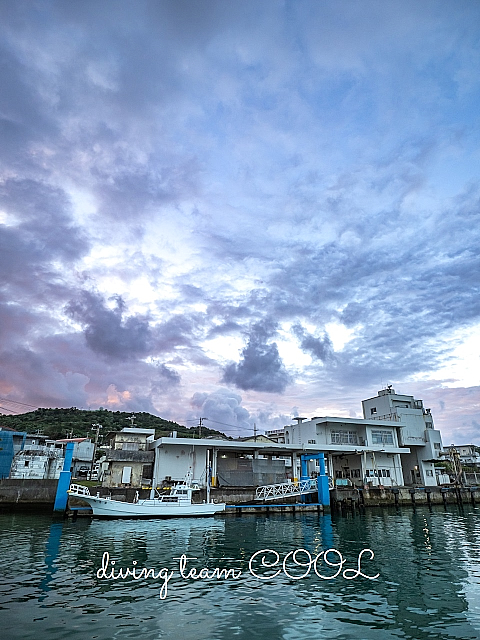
286,489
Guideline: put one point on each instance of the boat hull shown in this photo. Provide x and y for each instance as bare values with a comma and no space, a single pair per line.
107,508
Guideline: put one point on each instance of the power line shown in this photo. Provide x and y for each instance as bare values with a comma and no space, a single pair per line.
223,424
24,404
233,426
6,409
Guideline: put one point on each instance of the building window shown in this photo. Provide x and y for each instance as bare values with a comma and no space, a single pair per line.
344,437
347,473
382,437
429,473
377,473
373,411
130,446
312,442
436,445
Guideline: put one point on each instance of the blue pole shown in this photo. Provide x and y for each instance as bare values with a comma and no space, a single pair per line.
322,483
64,480
304,469
322,480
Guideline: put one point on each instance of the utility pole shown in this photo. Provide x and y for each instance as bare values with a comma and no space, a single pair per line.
254,431
456,464
98,427
200,427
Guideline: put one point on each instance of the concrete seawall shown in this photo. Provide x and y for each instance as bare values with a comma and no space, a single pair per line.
351,498
39,495
25,495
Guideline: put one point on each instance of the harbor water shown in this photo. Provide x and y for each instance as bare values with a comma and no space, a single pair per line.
245,577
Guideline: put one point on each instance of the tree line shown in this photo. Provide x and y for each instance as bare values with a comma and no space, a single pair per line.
78,423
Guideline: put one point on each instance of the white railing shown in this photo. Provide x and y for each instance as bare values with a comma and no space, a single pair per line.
275,491
79,489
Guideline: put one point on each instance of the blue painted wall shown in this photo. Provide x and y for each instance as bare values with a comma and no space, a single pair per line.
7,450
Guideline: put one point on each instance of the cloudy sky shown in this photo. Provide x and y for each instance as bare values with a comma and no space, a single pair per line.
244,211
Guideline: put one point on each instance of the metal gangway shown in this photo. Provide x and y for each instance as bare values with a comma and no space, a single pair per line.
286,489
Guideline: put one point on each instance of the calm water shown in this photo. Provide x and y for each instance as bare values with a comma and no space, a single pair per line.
428,587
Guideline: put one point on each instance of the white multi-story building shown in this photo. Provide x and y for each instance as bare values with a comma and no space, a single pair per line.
415,429
394,444
357,451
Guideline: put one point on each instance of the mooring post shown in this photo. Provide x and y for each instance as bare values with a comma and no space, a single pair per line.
361,500
444,492
412,496
395,492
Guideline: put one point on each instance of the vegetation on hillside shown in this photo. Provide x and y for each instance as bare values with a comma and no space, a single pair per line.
73,422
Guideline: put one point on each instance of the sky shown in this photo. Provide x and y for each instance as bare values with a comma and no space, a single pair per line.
240,211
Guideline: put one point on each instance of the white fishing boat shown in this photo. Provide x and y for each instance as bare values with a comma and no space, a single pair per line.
177,503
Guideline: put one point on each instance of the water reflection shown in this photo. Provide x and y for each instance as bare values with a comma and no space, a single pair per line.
428,560
51,554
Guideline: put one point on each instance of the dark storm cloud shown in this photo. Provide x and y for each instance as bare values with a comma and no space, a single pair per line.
45,222
168,375
22,117
107,331
179,330
38,248
320,348
260,367
114,333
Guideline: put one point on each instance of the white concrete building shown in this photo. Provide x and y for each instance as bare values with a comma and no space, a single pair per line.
227,462
415,429
358,452
394,444
38,461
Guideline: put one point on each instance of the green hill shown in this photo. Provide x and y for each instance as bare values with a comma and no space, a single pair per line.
73,422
